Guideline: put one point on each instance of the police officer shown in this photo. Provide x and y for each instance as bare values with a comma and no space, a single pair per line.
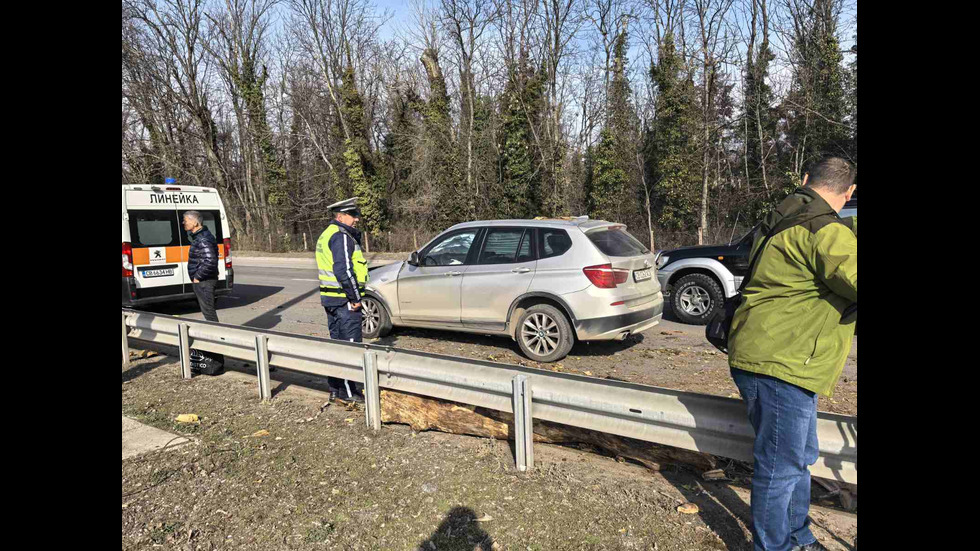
343,274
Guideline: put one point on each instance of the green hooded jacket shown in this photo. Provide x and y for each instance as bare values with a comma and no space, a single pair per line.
790,324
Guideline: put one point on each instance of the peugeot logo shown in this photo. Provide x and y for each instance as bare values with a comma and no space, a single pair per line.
646,263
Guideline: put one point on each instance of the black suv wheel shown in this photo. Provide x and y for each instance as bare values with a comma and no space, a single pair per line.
695,298
544,334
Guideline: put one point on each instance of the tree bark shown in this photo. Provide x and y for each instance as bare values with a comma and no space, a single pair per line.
423,413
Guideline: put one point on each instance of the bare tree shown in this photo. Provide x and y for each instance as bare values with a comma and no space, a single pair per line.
241,30
174,29
466,21
710,15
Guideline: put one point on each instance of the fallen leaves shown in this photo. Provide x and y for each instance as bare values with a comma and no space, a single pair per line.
260,433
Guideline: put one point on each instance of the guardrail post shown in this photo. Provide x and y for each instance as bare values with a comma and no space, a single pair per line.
372,391
262,366
523,427
185,350
125,342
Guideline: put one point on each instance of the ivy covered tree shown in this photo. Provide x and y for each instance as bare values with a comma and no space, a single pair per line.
444,171
816,105
614,193
520,175
672,154
362,180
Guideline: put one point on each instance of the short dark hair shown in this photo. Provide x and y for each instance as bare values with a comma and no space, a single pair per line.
832,174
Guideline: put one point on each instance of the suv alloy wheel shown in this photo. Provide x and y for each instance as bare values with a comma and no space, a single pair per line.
375,323
544,334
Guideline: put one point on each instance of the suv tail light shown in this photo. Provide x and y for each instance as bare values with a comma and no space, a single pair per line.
227,252
604,276
127,260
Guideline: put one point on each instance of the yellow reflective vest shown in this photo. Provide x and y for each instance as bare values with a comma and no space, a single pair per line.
355,267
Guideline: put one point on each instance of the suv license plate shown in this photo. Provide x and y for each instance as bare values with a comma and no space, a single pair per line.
642,275
162,272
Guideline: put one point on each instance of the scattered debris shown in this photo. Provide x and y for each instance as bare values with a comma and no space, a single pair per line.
188,418
484,518
687,508
716,474
260,433
832,487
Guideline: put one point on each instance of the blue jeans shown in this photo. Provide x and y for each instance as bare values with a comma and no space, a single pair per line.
345,325
784,417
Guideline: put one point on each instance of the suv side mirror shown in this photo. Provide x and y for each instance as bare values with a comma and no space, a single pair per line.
413,259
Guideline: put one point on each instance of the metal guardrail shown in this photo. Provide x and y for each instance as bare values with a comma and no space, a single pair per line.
698,422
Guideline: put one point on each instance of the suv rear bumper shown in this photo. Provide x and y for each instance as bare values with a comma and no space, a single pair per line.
620,326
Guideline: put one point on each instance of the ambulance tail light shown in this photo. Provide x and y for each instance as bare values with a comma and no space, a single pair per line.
227,253
127,260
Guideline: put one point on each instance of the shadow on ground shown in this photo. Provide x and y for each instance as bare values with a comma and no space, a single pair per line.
593,348
135,371
241,295
272,318
459,531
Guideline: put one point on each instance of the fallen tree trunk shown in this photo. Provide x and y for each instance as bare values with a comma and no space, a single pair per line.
423,413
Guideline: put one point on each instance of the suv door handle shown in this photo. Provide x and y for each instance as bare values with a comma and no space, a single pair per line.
450,274
521,270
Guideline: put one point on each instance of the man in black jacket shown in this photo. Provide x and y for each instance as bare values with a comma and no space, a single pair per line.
202,263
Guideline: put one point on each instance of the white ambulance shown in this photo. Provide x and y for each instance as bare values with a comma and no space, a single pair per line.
155,244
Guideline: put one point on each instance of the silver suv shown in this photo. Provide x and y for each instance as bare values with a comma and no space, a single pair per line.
544,283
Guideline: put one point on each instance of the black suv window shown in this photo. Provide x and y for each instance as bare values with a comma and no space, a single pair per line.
506,245
617,242
450,250
153,228
553,242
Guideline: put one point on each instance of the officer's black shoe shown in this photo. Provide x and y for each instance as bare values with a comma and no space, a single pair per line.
815,546
355,398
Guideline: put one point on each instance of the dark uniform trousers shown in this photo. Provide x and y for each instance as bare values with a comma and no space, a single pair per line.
205,298
344,325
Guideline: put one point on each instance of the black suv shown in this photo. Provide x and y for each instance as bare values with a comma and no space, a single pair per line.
696,280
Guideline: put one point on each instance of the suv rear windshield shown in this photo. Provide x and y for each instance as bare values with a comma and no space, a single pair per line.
616,242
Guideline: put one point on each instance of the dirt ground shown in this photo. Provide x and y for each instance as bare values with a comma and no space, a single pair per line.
320,480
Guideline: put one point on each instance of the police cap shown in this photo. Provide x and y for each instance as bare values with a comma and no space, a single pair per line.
347,206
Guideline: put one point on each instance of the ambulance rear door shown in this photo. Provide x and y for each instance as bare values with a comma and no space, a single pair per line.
210,219
157,241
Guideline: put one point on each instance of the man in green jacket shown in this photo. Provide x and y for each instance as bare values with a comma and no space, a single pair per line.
788,343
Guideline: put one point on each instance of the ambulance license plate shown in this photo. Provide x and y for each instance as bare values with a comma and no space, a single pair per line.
159,272
642,275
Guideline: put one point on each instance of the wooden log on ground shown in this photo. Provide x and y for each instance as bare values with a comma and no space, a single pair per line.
423,413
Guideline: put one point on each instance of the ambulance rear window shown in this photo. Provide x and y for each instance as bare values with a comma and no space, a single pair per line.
153,228
209,219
